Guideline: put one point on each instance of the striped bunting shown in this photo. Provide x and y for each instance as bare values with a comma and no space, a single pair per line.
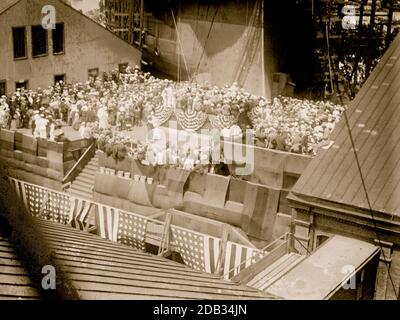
79,213
107,220
19,188
132,230
198,251
239,257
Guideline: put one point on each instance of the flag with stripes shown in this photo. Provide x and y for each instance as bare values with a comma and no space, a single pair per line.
79,213
239,257
107,220
198,251
132,230
19,187
35,197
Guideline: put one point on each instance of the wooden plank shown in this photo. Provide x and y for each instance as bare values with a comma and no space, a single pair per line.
18,291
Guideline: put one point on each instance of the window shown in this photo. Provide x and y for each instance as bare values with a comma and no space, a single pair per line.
122,67
58,38
360,286
23,84
19,42
39,41
93,73
320,240
3,87
58,78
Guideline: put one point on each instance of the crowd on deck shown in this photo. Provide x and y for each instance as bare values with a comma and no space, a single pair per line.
134,98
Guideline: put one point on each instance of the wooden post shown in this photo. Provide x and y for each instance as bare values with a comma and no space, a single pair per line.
165,240
222,251
141,24
389,25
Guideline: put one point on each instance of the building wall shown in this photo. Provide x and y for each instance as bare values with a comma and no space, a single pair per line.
87,46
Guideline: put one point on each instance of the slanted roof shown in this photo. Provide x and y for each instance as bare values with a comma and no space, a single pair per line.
374,117
322,274
101,269
5,4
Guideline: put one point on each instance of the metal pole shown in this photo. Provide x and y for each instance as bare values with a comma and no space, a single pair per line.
141,24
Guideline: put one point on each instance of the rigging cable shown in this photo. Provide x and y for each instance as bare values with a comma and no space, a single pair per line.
206,40
362,180
180,43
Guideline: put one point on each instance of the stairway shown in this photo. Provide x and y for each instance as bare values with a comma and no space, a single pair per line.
82,186
275,271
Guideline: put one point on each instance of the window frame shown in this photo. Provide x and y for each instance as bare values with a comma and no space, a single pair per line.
125,65
93,69
20,82
5,87
60,75
25,43
63,40
47,42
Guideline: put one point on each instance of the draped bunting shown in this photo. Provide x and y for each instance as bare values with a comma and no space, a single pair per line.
222,121
198,251
191,119
79,213
107,219
162,114
132,230
239,257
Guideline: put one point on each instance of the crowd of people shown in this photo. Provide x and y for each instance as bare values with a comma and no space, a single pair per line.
134,98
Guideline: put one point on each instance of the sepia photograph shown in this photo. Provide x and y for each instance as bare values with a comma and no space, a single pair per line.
223,151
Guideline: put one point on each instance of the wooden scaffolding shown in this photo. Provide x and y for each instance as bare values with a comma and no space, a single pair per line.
125,18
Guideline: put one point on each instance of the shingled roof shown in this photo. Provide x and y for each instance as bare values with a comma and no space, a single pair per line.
374,117
101,269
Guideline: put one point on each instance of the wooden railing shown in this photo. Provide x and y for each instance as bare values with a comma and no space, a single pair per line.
275,250
80,164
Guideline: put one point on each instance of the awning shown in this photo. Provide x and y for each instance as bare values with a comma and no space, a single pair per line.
322,274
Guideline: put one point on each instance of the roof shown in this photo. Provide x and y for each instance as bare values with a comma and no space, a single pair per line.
374,117
322,273
6,4
101,269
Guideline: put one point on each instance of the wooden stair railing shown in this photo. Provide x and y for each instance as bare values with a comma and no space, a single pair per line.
79,165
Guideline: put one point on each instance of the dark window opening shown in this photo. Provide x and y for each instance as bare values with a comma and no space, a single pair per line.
3,88
122,67
93,73
321,239
58,38
58,78
360,286
19,42
22,85
39,41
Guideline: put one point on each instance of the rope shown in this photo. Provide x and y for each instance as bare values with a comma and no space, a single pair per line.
207,38
365,187
180,43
